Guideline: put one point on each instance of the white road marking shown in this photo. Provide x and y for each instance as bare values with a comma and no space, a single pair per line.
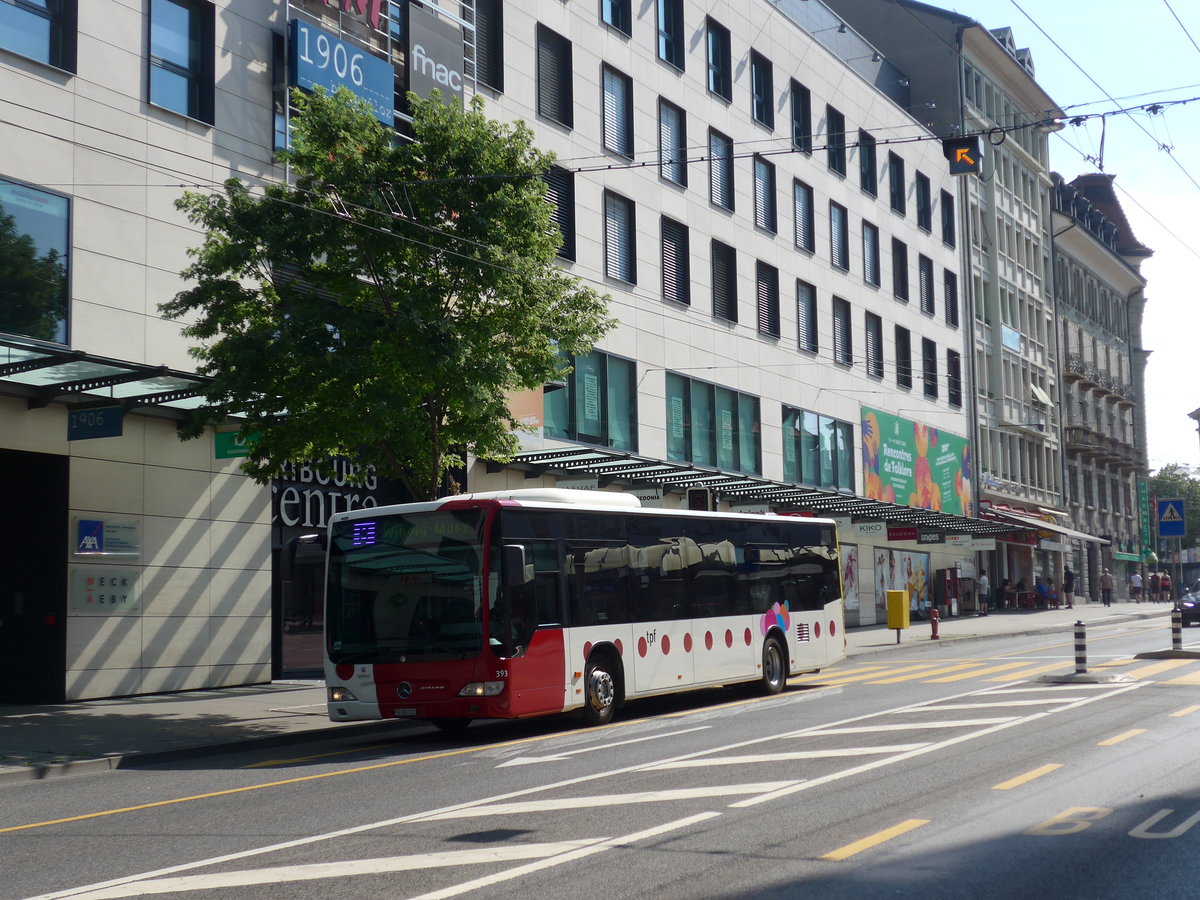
315,871
598,800
521,871
784,757
909,726
310,840
567,754
993,705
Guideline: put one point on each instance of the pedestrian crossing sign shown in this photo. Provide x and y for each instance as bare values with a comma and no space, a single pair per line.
1171,519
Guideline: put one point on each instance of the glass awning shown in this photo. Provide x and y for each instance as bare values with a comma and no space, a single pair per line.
45,375
610,467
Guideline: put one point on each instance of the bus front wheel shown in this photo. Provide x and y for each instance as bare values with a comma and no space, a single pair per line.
600,686
774,666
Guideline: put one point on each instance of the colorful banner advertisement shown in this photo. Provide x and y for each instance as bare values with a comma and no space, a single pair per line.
901,570
849,558
912,464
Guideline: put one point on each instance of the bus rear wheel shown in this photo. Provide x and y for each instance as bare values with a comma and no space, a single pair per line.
774,666
600,692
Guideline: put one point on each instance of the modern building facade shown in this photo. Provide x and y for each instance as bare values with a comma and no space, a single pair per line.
752,184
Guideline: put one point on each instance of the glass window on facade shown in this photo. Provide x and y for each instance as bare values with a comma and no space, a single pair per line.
868,176
712,426
802,137
835,138
597,405
618,14
720,60
618,112
40,29
762,91
672,143
818,450
34,259
806,316
803,216
181,57
620,255
670,32
720,169
554,97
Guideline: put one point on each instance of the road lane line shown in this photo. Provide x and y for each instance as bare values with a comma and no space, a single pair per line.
530,868
567,754
990,670
841,679
753,759
1165,666
932,748
875,840
315,871
266,764
597,801
909,726
1028,673
594,776
1027,777
1122,737
1193,678
1186,711
919,675
992,704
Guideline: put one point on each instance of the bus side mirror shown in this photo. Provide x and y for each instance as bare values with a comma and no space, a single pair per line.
515,573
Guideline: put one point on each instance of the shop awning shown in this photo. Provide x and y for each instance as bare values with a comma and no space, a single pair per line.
615,467
1042,525
45,375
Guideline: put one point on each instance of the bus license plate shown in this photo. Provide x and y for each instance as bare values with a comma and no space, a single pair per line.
402,713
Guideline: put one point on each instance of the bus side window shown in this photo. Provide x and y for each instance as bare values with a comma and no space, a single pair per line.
598,574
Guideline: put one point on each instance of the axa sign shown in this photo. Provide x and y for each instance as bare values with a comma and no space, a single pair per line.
435,54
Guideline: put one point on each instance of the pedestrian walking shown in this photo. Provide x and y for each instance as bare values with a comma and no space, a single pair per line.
1106,587
1155,587
1135,587
1069,587
984,592
1165,585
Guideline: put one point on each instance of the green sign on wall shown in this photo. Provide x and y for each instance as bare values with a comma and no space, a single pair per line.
229,445
912,464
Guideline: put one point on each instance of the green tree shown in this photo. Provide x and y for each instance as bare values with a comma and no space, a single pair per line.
1171,482
385,306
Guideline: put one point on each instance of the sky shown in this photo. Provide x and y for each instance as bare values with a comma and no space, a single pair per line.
1135,55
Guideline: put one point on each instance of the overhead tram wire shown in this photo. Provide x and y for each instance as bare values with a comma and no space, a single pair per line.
1167,4
1182,168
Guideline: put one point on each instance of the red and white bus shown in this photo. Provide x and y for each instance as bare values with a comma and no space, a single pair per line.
529,602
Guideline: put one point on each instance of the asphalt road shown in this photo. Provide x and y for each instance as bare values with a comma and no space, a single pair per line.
932,772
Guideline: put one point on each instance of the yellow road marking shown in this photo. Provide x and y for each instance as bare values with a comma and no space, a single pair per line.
1113,741
299,759
1165,666
874,840
1028,673
927,672
988,671
924,667
1186,711
1026,778
1128,661
1194,678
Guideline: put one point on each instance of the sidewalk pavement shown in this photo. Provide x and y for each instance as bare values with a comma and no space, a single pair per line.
94,735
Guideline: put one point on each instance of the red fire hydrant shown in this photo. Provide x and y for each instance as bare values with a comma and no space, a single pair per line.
933,623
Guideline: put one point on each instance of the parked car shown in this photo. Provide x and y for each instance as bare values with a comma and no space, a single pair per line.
1189,606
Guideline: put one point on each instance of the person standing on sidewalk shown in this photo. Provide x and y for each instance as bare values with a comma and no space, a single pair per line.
1155,587
1069,587
1135,587
984,591
1106,587
1165,585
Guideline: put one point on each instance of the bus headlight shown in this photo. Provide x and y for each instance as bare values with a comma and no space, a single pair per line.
340,694
482,689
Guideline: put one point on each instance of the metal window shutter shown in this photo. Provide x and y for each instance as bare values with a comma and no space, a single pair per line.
837,231
925,273
617,135
724,282
768,299
675,263
874,345
560,194
870,254
671,144
764,195
841,330
721,167
802,209
618,237
806,315
552,94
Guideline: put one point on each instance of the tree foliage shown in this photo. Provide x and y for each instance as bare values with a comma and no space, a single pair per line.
1177,482
384,305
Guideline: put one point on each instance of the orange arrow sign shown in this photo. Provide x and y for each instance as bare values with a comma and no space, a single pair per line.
960,155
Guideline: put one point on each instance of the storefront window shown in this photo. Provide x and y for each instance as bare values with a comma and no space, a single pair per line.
34,243
818,450
596,405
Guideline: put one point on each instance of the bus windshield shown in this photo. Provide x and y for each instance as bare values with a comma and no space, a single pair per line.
405,588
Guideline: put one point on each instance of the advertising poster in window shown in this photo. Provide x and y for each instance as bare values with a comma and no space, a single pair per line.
849,560
901,570
912,464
